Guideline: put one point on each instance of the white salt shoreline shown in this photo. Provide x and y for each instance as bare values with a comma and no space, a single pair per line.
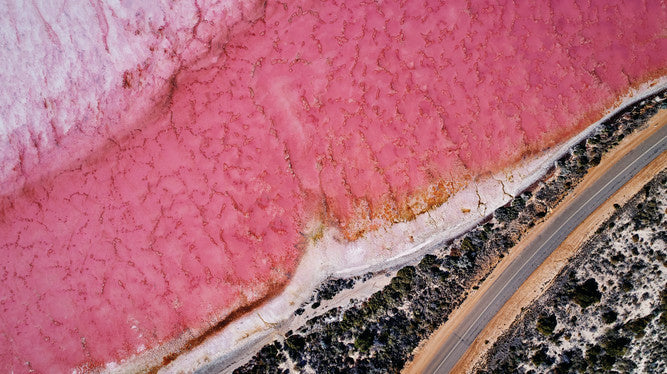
383,249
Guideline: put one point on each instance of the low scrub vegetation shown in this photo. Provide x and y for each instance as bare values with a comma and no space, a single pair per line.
379,334
605,312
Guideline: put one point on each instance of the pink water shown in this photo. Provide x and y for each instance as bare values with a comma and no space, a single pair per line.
355,115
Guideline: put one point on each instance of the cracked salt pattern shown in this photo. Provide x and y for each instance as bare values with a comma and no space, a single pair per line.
134,196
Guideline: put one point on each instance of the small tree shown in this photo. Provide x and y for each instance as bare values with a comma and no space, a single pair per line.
614,344
637,326
364,340
541,357
547,324
586,294
609,316
506,214
427,262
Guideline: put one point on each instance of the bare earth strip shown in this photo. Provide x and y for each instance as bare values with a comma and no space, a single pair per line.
540,279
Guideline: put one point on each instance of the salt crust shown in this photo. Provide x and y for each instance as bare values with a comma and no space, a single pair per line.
384,249
57,82
124,28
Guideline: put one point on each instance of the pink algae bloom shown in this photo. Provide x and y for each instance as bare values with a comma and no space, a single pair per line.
354,114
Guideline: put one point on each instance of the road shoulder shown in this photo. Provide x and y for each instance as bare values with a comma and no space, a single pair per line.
541,278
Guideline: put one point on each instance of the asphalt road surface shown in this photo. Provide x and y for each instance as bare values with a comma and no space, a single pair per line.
553,234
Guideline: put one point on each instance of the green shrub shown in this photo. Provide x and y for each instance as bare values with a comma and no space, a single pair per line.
626,285
593,355
637,325
426,262
364,341
609,316
406,273
296,342
541,357
547,324
586,294
607,362
506,214
614,344
466,245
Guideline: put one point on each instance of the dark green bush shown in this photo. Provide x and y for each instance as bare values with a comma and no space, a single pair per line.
547,324
295,342
637,325
506,214
364,341
586,294
609,316
466,245
593,355
541,357
615,344
426,262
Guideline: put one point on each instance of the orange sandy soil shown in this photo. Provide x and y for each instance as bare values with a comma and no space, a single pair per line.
544,275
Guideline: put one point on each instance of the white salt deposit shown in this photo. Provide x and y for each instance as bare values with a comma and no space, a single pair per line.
65,85
70,56
386,248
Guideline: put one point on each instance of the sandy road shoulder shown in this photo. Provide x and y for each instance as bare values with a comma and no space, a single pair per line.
540,279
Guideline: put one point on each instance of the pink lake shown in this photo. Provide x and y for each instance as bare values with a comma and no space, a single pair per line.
354,115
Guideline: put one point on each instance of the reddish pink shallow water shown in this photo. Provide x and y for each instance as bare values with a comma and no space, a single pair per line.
320,110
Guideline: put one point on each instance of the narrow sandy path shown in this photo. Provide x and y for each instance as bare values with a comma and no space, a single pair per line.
542,277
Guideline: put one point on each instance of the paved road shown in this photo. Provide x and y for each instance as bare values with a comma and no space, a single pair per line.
535,253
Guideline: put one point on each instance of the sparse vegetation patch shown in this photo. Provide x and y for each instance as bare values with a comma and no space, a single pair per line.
605,312
380,333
